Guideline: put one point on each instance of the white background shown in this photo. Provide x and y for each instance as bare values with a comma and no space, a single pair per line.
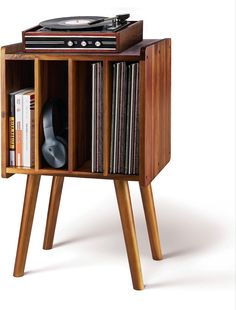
194,194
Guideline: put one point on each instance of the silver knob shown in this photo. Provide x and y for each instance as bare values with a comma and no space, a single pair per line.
83,43
98,43
70,43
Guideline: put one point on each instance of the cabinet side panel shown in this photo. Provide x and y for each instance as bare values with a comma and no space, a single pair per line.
4,117
155,110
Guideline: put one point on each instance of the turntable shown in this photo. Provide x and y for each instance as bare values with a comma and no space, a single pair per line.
83,34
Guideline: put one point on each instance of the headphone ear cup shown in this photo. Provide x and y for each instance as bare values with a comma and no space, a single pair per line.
55,153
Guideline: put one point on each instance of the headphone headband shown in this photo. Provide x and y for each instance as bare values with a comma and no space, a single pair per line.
48,120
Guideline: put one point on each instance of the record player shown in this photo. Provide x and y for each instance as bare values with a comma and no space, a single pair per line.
83,34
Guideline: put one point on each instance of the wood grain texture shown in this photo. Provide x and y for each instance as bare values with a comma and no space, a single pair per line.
128,226
80,109
130,36
133,53
52,84
54,203
84,112
83,172
151,221
4,117
31,193
155,110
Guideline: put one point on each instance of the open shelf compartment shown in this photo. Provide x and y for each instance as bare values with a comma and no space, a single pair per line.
51,83
19,74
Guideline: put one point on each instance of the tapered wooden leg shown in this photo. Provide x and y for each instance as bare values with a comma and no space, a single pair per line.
54,203
127,221
31,193
151,220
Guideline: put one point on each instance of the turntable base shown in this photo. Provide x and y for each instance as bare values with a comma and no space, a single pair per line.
80,36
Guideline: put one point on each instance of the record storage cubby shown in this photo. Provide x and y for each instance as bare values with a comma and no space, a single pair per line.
69,77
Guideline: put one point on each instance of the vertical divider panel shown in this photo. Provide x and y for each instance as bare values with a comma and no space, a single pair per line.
72,116
107,95
40,75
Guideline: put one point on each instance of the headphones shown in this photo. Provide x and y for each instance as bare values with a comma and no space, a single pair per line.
54,148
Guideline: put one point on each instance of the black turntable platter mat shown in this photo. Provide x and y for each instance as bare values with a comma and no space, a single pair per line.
73,23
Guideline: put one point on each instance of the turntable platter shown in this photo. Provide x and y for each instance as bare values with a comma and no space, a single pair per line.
73,23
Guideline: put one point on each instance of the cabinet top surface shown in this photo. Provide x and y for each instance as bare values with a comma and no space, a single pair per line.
15,51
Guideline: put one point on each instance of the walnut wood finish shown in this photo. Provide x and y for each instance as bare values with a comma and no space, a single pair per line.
128,226
67,75
134,53
155,110
14,75
31,193
4,118
54,203
151,220
125,37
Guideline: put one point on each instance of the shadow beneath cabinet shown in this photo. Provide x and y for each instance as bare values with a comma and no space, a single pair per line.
183,232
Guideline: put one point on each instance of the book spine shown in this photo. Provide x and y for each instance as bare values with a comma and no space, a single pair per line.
32,134
28,102
12,152
18,127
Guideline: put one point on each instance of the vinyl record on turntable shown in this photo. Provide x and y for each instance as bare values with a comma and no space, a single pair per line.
74,23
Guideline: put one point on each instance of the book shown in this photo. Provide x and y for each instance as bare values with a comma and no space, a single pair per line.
11,124
19,127
28,129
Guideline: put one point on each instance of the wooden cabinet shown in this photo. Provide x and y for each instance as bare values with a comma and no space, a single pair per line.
67,76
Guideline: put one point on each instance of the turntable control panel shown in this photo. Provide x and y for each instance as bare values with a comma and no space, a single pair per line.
70,42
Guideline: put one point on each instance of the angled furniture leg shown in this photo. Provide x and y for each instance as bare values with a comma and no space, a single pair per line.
30,199
151,220
54,203
128,226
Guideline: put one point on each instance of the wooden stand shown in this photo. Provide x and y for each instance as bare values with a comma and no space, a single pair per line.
67,76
